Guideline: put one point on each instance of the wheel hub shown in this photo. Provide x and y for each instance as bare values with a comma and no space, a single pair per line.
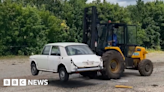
113,65
147,67
62,74
33,69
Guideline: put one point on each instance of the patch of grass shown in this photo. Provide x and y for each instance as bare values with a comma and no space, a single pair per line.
155,51
13,57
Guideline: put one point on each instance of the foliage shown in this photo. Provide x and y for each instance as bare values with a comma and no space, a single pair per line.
26,25
26,29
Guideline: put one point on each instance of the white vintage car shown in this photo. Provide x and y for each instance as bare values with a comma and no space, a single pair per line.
66,58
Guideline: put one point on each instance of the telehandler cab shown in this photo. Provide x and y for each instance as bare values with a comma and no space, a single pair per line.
117,44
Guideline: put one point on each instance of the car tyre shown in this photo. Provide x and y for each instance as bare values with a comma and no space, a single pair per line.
90,74
63,75
34,70
84,74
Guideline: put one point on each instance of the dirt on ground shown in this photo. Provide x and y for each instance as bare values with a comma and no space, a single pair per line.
19,68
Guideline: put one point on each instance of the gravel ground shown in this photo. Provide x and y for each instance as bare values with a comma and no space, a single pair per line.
19,68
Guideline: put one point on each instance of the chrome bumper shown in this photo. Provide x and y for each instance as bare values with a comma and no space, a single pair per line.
87,69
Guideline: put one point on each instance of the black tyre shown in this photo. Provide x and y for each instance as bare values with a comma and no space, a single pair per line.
84,74
34,70
63,75
113,65
145,67
90,74
104,75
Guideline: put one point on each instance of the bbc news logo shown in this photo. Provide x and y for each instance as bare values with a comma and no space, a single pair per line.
23,82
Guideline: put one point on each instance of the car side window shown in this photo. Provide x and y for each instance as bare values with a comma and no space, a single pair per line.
46,50
55,51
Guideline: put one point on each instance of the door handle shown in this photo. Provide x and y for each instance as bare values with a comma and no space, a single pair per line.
60,57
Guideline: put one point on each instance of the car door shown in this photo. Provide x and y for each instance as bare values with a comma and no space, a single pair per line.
43,60
54,58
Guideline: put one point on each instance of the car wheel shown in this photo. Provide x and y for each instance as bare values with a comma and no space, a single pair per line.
90,74
64,76
84,74
145,67
34,70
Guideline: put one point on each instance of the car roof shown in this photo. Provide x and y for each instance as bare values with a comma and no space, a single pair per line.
64,44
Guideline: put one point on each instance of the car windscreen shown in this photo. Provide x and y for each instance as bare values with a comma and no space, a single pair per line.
78,50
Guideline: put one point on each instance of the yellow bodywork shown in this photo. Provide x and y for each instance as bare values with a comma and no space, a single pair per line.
141,54
115,48
138,55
